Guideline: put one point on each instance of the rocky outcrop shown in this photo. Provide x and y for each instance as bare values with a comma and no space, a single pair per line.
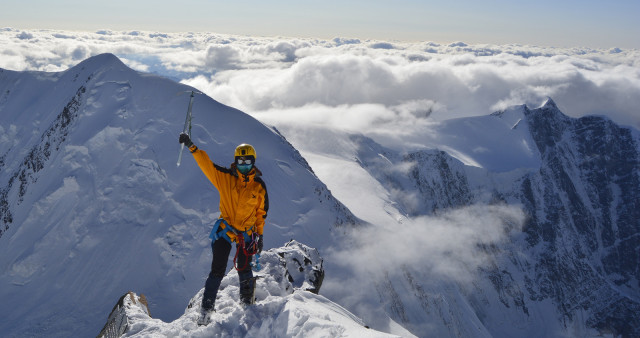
584,229
124,313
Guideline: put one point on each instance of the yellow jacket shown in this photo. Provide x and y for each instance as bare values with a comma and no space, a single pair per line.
243,198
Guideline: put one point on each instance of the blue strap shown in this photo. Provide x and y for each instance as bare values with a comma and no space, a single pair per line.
216,233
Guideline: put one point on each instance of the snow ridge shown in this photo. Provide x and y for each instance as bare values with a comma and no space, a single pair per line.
287,305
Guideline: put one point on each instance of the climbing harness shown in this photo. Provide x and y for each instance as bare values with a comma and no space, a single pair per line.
245,242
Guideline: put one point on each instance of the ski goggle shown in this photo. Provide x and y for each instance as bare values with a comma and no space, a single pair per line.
244,160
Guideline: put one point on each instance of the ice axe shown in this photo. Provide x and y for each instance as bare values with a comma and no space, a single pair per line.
187,124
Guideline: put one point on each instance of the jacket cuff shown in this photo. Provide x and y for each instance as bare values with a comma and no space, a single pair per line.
193,148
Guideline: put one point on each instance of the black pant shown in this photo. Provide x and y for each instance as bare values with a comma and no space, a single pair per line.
221,249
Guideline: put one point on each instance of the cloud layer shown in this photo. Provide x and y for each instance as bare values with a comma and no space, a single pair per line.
432,253
449,246
314,78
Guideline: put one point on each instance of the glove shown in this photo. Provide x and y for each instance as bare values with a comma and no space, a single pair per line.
186,140
260,243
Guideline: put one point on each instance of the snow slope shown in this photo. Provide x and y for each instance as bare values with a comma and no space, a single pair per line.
92,203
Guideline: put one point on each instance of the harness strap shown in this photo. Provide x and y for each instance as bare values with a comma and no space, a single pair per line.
241,239
217,233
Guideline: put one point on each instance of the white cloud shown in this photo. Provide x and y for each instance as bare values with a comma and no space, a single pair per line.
433,253
221,57
449,245
24,36
274,74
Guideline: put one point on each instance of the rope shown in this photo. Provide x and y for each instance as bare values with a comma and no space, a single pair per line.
241,245
217,232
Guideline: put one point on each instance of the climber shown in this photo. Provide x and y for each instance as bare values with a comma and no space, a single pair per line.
243,209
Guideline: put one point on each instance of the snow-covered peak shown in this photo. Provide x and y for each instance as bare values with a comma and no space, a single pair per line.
548,113
105,60
503,141
91,197
512,115
286,306
547,125
499,142
549,104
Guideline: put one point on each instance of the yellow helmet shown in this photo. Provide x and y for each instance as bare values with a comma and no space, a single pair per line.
245,150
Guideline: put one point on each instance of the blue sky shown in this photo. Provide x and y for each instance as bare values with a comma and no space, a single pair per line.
563,23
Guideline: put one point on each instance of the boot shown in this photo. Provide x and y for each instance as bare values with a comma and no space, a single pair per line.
247,288
208,304
204,318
